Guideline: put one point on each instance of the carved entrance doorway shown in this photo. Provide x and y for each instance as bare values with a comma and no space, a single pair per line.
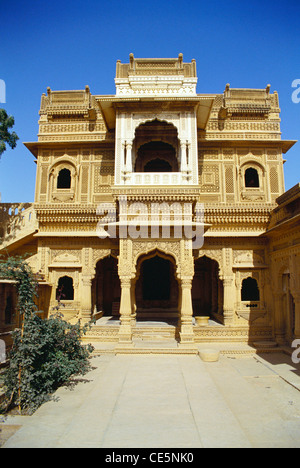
106,287
156,290
207,288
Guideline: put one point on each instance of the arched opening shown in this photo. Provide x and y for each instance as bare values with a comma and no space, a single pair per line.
64,179
156,156
251,178
106,287
65,289
156,147
250,290
207,289
156,289
156,279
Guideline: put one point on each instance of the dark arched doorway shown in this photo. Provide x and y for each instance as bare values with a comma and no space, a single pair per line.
207,289
156,290
106,287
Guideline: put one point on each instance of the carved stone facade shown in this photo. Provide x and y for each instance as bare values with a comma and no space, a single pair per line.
105,164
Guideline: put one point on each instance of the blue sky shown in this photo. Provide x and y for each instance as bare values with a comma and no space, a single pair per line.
69,44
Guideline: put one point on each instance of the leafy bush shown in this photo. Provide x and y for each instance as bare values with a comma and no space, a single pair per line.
44,358
45,353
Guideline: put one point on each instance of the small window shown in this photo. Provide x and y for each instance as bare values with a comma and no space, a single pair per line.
250,290
65,290
251,178
64,179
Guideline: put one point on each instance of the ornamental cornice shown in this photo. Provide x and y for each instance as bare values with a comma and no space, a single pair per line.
156,193
68,214
229,217
225,219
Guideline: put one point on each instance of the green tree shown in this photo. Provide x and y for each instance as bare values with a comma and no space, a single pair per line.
11,138
45,353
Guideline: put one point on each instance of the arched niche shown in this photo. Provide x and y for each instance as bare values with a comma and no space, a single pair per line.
63,168
252,174
156,140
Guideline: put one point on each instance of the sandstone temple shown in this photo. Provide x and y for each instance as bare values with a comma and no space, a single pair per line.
161,210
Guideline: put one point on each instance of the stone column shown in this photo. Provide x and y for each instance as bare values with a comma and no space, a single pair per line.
186,316
128,157
189,166
86,299
184,167
279,325
123,162
125,332
228,307
133,304
297,315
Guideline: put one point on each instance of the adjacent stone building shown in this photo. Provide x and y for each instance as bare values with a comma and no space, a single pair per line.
160,203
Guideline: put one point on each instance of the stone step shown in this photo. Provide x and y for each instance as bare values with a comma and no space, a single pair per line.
148,335
156,350
110,332
156,342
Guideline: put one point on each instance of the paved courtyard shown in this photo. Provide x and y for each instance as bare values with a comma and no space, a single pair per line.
170,401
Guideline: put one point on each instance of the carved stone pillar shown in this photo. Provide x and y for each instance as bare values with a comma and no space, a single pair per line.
184,167
186,315
297,315
86,299
125,332
279,325
133,304
128,157
228,307
123,162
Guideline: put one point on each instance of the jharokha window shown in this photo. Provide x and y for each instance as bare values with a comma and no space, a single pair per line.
65,289
251,178
64,179
250,290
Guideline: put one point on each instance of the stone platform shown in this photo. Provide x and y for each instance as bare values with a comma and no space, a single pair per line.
162,337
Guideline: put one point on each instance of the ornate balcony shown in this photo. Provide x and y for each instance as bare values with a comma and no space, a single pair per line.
156,178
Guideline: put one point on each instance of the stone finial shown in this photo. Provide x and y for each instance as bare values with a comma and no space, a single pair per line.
268,89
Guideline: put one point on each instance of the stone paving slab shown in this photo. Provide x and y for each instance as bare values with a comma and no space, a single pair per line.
166,401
